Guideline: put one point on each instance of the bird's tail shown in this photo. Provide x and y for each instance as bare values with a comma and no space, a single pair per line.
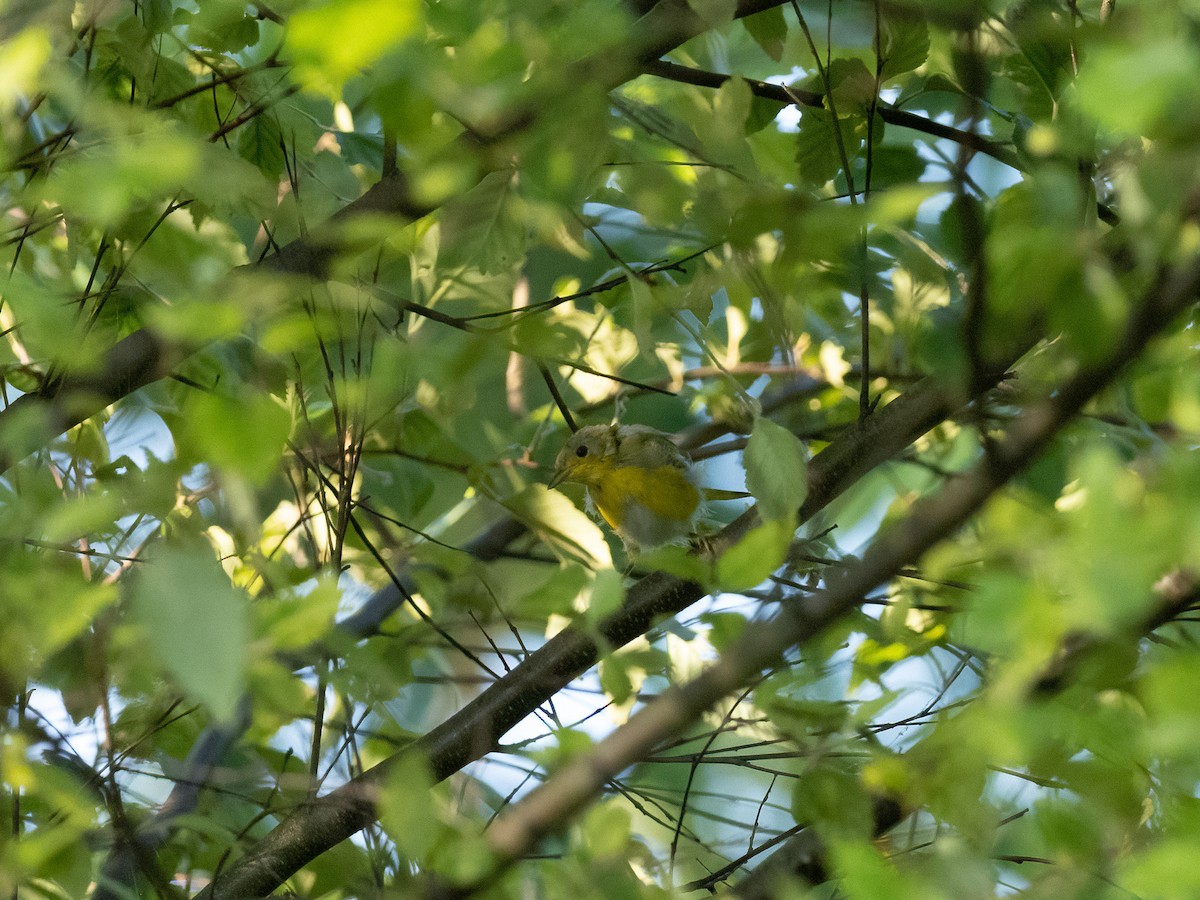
718,494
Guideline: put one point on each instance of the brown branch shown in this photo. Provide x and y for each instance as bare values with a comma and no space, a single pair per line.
1175,593
802,856
133,362
790,96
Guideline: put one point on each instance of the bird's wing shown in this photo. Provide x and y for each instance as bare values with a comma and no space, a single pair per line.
648,448
719,494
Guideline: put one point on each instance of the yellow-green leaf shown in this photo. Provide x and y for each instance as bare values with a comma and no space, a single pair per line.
776,470
757,555
333,41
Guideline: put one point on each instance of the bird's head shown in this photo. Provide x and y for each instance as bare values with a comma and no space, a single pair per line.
587,455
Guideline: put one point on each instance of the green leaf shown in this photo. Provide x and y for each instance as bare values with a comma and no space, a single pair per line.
608,593
832,800
45,608
1166,868
724,628
243,434
569,743
763,112
1171,693
1131,89
224,34
852,84
817,155
555,596
171,79
614,678
1045,45
482,229
332,42
896,166
607,829
558,518
678,561
776,470
864,872
769,30
156,15
407,807
464,856
658,120
296,621
105,183
749,561
724,132
904,43
197,625
715,13
261,143
642,297
88,513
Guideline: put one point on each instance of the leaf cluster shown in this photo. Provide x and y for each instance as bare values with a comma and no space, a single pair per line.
300,301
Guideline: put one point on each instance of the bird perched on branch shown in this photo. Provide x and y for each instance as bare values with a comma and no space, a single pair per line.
639,482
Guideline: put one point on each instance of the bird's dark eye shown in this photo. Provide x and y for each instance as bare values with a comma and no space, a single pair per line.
581,452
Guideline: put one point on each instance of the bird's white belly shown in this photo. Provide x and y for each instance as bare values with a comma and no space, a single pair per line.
642,529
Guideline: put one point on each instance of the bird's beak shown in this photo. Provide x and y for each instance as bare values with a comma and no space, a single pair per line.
558,478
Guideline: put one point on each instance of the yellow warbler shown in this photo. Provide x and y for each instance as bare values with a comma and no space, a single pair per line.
638,480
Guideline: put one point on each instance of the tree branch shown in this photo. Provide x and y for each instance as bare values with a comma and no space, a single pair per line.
790,96
213,743
144,356
474,730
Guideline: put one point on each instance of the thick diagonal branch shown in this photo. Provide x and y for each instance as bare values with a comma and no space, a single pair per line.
475,730
763,644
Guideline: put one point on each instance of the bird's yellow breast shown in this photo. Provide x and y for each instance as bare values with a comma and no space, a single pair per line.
663,491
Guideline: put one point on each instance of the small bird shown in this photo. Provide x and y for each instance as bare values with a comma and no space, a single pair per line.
638,480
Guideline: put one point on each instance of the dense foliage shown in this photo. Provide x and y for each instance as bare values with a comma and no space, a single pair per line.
301,299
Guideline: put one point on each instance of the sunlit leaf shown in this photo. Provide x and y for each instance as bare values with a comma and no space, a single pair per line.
608,592
749,561
776,470
333,44
569,525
